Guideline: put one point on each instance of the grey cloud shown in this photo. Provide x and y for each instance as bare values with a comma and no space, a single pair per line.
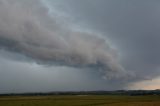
31,77
19,75
26,27
131,25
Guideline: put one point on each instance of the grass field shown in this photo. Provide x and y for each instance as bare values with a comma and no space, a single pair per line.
80,101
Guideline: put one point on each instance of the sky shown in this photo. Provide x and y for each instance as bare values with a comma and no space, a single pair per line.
79,45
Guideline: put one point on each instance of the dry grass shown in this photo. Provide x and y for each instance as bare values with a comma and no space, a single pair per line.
80,101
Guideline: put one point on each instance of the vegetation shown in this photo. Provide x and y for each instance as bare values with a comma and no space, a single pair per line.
118,92
80,100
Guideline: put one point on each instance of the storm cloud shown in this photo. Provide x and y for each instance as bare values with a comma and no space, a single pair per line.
24,29
132,27
117,40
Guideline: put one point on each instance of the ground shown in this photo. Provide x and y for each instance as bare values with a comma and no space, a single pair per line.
80,100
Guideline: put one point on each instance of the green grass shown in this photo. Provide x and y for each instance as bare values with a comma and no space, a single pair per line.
92,100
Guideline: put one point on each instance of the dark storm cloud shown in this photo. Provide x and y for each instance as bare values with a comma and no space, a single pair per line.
27,28
40,32
133,26
18,74
23,76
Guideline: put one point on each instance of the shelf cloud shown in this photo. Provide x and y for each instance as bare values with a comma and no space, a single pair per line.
24,29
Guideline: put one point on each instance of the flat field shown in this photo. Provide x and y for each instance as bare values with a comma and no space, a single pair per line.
80,100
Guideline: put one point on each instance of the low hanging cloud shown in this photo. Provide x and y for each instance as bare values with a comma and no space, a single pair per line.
27,28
